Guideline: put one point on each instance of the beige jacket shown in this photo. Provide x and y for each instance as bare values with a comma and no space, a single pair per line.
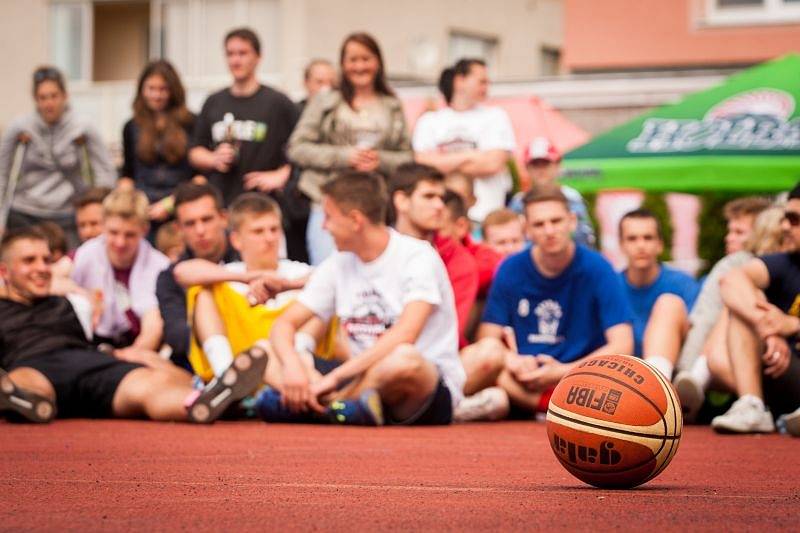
310,145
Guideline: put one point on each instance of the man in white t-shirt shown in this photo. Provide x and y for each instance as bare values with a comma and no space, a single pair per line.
393,300
233,306
467,137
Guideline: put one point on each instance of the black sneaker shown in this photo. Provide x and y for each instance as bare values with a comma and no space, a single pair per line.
24,404
240,379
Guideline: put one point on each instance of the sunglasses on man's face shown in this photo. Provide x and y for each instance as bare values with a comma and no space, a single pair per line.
792,217
46,74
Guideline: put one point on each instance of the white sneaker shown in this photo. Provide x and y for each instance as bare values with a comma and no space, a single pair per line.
488,404
691,394
746,415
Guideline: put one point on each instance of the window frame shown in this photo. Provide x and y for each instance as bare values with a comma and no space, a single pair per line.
771,12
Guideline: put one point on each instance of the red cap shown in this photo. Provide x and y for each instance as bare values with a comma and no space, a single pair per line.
542,148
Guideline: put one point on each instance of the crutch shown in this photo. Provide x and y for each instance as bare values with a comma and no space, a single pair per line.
13,178
86,164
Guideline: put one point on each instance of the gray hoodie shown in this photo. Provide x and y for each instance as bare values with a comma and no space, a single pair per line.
51,170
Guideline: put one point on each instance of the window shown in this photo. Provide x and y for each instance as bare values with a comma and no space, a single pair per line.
751,12
193,33
69,39
106,40
473,46
550,61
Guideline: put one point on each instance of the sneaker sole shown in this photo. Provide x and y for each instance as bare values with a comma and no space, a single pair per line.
29,406
245,374
793,424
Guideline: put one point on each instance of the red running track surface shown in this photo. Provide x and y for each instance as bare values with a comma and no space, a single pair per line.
249,476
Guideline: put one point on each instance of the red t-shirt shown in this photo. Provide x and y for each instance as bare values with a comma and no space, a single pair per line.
487,261
462,270
123,298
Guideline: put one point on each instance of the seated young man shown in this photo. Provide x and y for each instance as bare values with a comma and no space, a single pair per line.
549,306
763,297
704,362
122,265
417,196
455,225
48,364
660,297
234,305
503,230
394,302
203,222
748,234
89,213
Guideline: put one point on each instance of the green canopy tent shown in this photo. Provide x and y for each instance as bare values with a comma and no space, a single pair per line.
742,135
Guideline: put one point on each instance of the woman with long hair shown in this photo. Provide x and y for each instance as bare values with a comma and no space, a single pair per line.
48,158
361,126
469,137
156,140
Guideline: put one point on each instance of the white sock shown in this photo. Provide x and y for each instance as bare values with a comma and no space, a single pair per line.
304,342
218,352
700,371
662,364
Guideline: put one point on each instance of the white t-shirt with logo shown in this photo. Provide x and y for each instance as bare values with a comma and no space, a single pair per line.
480,128
286,269
369,298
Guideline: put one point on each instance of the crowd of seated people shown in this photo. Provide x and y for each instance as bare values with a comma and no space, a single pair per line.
318,262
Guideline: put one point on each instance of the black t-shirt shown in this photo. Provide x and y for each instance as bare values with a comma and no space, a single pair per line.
784,281
260,126
47,325
159,178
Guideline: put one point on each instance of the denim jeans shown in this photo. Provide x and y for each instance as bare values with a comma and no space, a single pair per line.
319,241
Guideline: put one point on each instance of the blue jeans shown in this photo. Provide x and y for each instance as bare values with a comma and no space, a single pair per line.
319,241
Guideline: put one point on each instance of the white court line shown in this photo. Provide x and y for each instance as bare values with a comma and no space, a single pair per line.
414,488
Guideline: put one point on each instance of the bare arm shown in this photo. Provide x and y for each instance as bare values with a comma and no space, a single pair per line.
619,340
207,160
152,329
296,393
203,272
741,289
444,162
404,331
483,164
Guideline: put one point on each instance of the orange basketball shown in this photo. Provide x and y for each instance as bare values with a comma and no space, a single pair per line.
614,421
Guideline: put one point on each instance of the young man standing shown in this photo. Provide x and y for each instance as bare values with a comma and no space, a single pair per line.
49,364
660,297
393,300
549,306
543,164
468,137
417,194
203,223
242,130
234,305
764,301
123,266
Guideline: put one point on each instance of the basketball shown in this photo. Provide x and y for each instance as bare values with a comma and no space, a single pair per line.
614,421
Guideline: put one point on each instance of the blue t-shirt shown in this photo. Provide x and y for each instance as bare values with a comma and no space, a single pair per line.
642,299
566,316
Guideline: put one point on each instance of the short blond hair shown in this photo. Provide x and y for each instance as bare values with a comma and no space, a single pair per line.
130,204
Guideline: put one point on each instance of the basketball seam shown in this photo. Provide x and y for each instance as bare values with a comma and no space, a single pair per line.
629,387
612,430
674,443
